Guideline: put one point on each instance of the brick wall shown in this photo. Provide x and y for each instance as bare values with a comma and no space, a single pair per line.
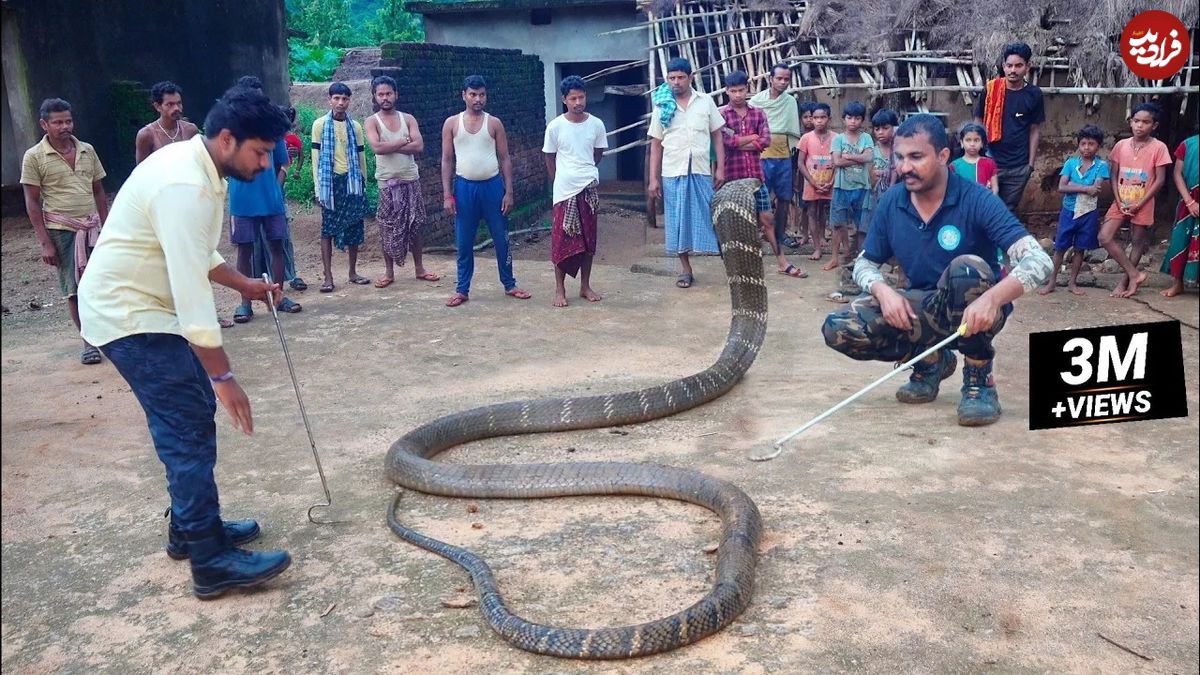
430,79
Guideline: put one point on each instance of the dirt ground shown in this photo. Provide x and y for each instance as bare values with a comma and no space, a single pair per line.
896,541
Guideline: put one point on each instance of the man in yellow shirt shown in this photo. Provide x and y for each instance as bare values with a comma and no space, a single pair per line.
65,201
147,303
339,164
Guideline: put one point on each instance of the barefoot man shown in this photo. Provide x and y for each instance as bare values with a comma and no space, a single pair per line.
574,144
396,140
170,126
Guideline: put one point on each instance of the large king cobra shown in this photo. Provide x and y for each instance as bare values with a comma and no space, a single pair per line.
409,464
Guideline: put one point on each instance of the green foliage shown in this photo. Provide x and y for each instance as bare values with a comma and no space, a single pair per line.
332,26
298,187
308,63
393,24
326,22
353,23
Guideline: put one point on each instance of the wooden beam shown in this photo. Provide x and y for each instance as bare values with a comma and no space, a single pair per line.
627,89
615,69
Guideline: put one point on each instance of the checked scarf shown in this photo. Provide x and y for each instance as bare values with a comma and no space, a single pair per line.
355,183
664,100
572,226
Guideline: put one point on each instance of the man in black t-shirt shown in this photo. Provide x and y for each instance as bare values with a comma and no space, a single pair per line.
1012,114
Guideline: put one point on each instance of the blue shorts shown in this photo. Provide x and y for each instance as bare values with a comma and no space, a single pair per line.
846,212
762,199
778,177
1079,233
242,229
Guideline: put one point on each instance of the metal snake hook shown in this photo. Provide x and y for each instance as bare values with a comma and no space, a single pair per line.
304,416
778,447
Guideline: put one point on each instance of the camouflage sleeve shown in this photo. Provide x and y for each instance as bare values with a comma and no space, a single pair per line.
1032,267
866,273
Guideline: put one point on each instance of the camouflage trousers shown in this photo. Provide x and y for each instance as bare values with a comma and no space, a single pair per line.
859,330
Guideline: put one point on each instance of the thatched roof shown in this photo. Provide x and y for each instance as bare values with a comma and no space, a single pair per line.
1085,33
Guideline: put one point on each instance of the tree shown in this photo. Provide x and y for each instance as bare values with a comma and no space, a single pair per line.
325,22
392,23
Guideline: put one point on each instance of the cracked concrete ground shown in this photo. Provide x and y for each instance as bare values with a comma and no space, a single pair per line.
896,541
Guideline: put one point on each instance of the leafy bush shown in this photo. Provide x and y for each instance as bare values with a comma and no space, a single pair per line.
309,63
393,24
299,187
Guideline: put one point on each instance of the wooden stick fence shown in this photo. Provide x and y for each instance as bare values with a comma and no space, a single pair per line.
720,36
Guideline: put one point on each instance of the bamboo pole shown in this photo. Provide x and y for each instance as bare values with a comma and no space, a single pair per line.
652,22
628,146
616,69
651,203
644,119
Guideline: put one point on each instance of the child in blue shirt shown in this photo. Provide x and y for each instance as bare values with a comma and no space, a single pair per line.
1082,180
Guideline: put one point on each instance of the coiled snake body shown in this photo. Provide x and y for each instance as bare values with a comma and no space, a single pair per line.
409,464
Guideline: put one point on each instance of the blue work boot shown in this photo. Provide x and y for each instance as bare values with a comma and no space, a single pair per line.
218,566
926,377
239,531
980,405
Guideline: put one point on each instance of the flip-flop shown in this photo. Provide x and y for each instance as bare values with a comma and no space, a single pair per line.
243,313
90,356
519,294
837,297
428,276
224,323
456,300
288,306
327,287
685,281
793,271
298,284
383,282
361,281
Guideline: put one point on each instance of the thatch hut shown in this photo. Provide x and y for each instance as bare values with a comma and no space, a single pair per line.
930,56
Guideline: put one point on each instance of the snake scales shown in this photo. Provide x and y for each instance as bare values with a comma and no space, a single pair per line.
409,464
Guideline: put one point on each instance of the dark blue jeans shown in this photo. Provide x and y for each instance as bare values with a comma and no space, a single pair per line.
477,200
169,382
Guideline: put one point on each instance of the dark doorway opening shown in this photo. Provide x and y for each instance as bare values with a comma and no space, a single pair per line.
617,100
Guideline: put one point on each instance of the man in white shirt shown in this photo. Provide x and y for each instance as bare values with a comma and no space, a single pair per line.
574,144
147,303
684,127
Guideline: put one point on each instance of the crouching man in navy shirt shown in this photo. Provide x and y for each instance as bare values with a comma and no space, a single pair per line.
945,232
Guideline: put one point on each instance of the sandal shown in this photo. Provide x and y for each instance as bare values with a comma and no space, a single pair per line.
456,300
685,281
793,271
286,305
224,323
243,313
428,276
327,287
90,356
360,280
838,297
298,284
519,294
384,282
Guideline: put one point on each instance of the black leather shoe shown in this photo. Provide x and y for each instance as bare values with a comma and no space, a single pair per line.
218,566
239,531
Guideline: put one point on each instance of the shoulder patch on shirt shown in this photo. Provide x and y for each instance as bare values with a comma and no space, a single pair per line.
949,237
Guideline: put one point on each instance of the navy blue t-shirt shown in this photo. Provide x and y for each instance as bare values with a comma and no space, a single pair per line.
970,221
